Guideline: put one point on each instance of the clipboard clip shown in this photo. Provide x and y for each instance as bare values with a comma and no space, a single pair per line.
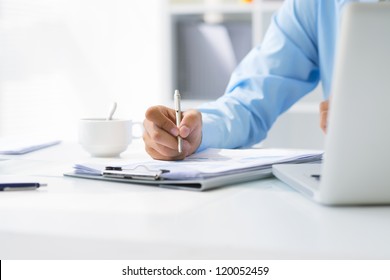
140,172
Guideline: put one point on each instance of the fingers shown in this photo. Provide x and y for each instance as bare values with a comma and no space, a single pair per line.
191,121
160,133
163,117
161,152
324,109
191,130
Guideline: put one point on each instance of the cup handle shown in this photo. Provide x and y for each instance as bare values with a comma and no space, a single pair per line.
141,125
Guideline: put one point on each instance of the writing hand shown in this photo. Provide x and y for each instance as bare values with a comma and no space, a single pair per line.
160,133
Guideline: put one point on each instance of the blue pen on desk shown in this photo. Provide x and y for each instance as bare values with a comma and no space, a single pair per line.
20,186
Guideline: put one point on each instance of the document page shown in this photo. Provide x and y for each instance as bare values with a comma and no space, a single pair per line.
19,145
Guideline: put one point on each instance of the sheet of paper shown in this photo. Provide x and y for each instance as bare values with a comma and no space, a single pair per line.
24,144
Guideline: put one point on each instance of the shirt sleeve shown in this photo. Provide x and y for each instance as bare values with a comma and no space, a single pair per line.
267,82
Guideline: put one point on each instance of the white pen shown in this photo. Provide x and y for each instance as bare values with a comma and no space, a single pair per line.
177,99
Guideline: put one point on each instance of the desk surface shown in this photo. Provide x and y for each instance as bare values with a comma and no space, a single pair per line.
87,219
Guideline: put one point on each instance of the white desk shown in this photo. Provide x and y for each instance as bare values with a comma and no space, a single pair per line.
87,219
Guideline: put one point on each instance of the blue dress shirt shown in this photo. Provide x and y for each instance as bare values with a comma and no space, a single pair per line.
297,52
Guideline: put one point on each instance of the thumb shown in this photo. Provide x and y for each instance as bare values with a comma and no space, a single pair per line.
189,122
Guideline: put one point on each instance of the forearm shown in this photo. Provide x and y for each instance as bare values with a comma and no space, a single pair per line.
269,80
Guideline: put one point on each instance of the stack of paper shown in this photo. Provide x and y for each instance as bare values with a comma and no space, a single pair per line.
212,163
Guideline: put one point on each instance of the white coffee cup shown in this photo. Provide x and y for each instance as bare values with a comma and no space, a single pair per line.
106,138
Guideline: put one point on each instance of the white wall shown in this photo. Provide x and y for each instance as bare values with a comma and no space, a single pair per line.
61,60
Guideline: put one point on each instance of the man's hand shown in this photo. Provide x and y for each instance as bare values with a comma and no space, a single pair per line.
160,134
324,108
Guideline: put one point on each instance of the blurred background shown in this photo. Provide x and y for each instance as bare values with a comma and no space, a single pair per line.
62,60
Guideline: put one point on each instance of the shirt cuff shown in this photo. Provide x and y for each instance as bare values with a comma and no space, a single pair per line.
211,132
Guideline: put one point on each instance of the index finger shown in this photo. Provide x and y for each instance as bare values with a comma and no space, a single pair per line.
163,117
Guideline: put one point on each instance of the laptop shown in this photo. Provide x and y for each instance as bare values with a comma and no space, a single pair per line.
356,166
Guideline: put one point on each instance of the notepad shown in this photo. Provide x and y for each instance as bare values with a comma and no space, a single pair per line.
208,169
22,145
